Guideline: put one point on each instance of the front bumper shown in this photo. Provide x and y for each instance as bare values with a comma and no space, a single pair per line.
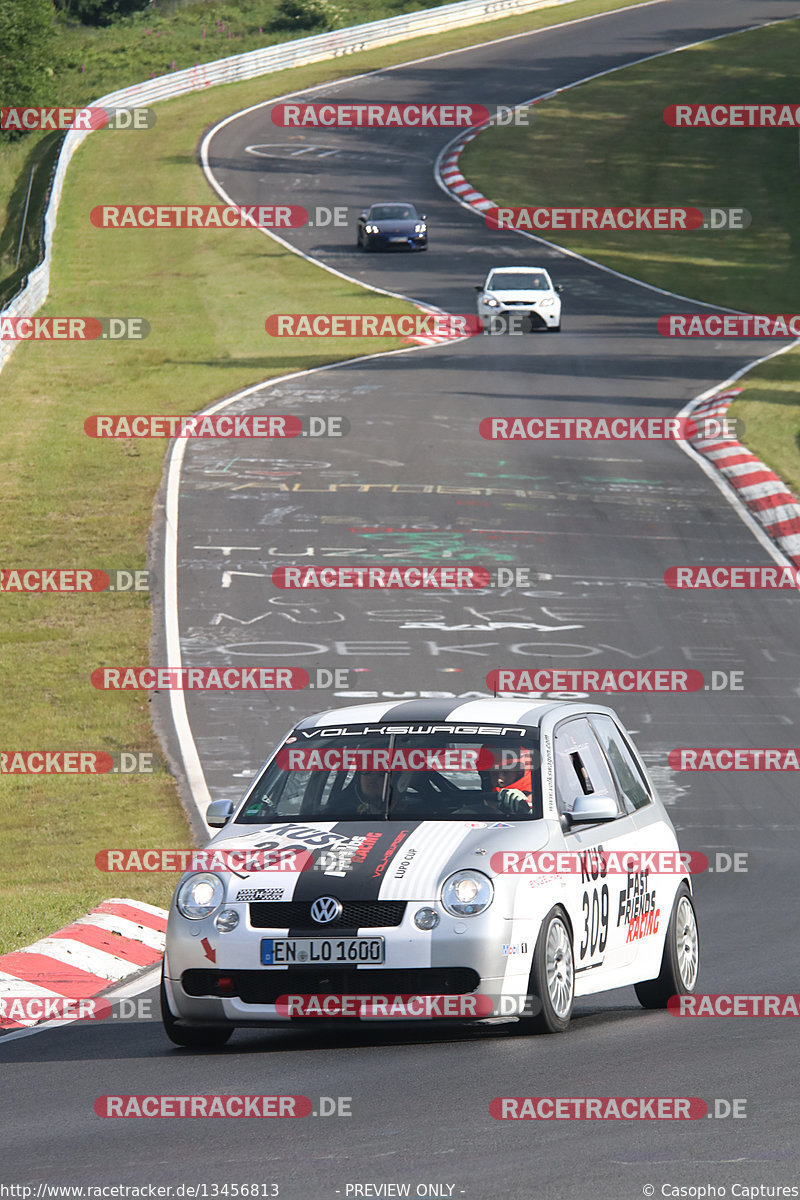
460,958
385,241
519,314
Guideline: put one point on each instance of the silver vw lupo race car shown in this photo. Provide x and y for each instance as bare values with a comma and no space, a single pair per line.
433,859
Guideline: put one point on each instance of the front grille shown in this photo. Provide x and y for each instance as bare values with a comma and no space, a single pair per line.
355,914
265,986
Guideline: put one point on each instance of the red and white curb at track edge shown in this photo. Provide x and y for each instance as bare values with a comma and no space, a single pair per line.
117,939
450,174
764,494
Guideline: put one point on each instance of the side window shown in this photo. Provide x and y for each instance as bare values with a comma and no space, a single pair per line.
630,781
580,767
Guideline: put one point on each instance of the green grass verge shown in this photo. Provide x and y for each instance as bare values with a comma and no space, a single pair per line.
91,62
770,409
69,500
605,143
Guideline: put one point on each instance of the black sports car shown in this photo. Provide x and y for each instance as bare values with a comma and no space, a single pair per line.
392,226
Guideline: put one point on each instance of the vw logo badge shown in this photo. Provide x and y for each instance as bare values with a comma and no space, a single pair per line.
326,909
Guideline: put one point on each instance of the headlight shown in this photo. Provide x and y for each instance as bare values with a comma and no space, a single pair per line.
467,893
371,228
491,302
420,228
200,896
548,302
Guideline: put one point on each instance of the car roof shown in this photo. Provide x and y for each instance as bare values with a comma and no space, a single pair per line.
485,710
407,203
518,269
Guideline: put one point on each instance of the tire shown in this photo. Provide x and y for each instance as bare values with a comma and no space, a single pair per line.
681,959
197,1037
554,329
551,985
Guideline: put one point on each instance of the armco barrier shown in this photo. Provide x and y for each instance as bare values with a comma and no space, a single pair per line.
248,66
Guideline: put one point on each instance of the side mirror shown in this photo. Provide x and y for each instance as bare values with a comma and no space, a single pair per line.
589,809
478,287
423,216
218,813
363,215
559,287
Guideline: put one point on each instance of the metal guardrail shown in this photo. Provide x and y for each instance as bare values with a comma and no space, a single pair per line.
300,52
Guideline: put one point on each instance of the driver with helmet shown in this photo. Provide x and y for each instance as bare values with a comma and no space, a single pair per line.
510,784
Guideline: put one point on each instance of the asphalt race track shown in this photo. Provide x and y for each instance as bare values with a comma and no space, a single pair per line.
596,525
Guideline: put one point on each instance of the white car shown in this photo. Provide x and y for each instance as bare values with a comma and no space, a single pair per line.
513,298
434,888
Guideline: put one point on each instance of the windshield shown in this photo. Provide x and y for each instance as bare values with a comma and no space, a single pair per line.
393,212
368,773
518,281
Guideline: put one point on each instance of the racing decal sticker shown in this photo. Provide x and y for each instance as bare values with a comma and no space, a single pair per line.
260,893
387,857
637,907
352,865
592,930
404,864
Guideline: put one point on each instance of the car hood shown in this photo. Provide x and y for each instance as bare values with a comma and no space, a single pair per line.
529,296
370,860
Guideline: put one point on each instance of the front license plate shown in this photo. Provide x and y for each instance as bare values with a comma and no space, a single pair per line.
398,239
281,952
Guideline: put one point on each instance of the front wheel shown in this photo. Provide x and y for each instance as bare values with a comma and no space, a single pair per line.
554,328
681,959
552,980
199,1037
